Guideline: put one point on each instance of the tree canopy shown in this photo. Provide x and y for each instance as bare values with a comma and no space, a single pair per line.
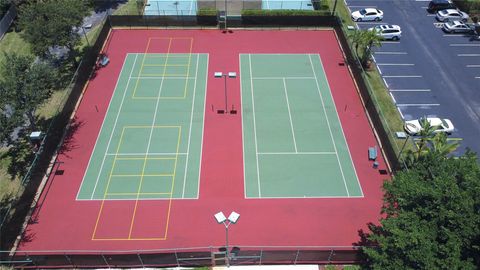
24,86
432,216
52,23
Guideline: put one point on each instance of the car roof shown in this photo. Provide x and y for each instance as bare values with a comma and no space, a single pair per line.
371,10
455,23
450,10
389,26
441,1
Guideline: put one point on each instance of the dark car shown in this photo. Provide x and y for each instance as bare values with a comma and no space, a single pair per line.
436,5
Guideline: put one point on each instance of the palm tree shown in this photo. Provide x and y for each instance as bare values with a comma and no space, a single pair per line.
370,39
440,147
356,37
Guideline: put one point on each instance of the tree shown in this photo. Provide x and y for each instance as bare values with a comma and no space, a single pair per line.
51,23
363,41
24,86
431,217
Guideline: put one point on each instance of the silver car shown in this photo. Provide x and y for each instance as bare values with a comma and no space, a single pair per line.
451,15
388,31
414,127
457,27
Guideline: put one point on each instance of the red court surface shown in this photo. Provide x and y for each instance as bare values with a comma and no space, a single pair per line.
62,223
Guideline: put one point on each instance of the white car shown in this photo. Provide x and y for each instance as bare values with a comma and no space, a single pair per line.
388,31
367,14
457,27
451,15
414,127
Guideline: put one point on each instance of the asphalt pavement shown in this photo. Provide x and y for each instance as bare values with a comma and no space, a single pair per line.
429,72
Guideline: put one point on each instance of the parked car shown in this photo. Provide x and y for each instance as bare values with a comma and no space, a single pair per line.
436,5
447,15
414,127
458,27
367,14
388,31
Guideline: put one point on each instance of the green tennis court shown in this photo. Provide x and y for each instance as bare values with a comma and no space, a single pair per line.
294,146
150,143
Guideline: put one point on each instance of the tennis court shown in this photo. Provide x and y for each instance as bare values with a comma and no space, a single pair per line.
169,7
150,142
294,145
287,4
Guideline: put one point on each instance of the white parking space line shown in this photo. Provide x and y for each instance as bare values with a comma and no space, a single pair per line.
394,64
363,6
422,0
464,45
390,42
390,53
454,35
379,70
477,77
402,76
469,54
431,15
424,7
400,112
410,90
370,23
393,98
473,66
418,105
386,84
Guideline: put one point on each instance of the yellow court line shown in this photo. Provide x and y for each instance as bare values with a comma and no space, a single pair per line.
173,184
164,65
145,161
160,126
143,193
108,185
141,158
141,67
138,175
129,239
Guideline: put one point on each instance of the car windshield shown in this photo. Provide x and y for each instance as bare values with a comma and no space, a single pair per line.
444,123
363,12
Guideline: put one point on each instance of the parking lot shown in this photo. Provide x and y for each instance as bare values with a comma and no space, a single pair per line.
429,72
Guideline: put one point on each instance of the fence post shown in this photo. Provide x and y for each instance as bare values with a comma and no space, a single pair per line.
140,259
296,256
330,256
176,258
105,260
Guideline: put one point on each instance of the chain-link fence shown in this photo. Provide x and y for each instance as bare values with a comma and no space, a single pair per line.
7,20
185,257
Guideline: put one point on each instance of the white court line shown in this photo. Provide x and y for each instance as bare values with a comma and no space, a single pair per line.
328,122
281,78
418,105
203,126
114,124
390,53
464,45
402,76
163,77
254,125
393,64
473,66
297,153
410,90
190,127
469,54
290,115
145,154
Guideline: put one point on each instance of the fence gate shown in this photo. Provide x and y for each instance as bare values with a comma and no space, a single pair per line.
219,258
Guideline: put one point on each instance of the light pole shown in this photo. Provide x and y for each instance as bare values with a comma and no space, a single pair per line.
232,219
230,75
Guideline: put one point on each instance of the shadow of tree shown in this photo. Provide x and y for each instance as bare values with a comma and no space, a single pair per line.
69,141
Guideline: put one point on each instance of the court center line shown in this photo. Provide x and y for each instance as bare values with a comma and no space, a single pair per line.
190,127
148,145
114,126
297,153
254,125
290,115
328,123
143,154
